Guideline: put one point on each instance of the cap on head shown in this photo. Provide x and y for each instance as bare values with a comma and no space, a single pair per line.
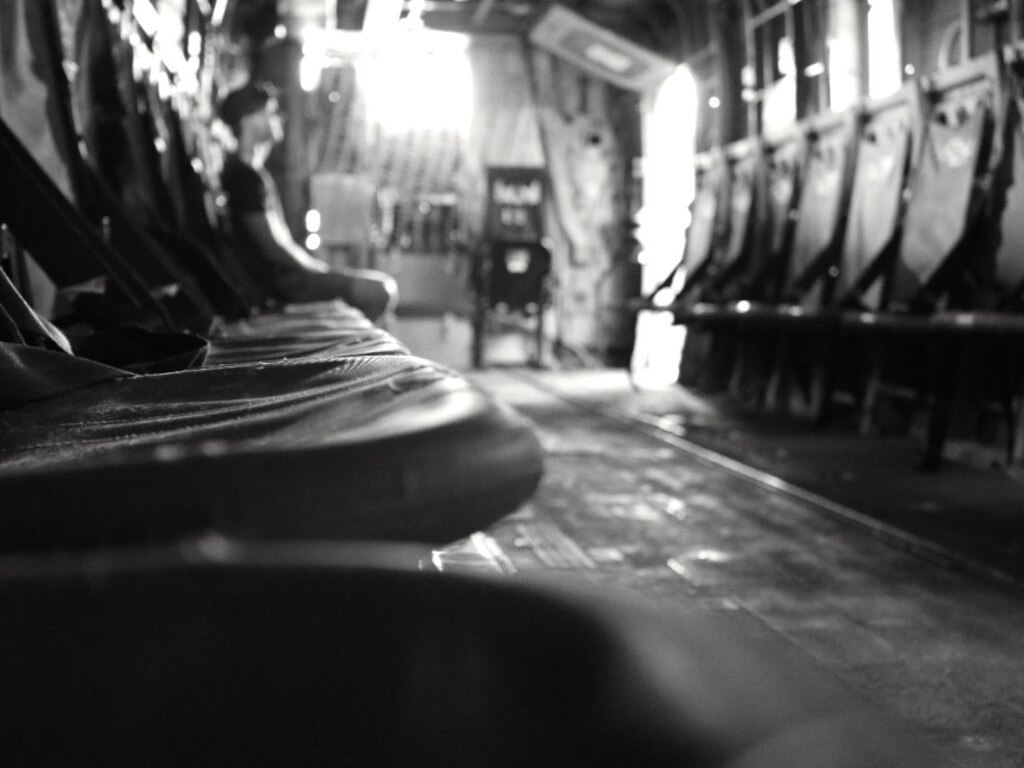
250,98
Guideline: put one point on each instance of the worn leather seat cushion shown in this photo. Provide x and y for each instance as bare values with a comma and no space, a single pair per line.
382,447
314,337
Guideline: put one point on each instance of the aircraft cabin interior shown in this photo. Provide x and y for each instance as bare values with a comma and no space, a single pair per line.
512,383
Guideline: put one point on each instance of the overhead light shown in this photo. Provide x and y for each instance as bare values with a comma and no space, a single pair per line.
219,12
405,89
599,51
347,43
312,63
414,17
381,15
174,59
663,298
147,16
814,70
601,54
310,69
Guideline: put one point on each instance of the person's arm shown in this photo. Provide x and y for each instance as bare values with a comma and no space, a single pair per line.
372,292
253,207
275,242
256,214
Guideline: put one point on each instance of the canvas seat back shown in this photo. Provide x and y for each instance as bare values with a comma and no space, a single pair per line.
193,203
708,212
784,159
54,188
821,212
745,215
42,53
1003,277
135,149
1008,266
111,102
28,115
884,149
953,172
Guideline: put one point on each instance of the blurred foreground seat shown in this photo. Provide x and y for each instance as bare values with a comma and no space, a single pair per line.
307,656
369,447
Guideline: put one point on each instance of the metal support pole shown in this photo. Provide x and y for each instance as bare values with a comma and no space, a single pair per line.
863,49
753,65
966,30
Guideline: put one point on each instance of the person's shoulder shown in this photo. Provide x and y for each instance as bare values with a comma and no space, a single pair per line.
239,175
235,167
243,186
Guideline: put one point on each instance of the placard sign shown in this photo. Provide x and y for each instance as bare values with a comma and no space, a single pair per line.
515,204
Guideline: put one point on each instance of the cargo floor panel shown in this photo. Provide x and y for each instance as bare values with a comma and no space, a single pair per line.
626,505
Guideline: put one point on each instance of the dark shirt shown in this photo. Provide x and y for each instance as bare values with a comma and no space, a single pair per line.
250,191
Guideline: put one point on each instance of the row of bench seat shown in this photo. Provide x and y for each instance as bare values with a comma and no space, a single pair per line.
866,247
172,400
142,623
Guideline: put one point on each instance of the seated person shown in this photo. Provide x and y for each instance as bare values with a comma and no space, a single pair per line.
281,265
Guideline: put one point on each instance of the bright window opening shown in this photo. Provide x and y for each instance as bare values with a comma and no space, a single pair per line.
413,87
670,126
883,49
842,74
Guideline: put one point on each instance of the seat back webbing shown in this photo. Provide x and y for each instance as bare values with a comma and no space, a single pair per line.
37,101
949,188
821,213
883,157
745,215
774,226
1007,269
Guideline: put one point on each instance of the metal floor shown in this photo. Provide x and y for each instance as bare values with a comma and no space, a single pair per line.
630,503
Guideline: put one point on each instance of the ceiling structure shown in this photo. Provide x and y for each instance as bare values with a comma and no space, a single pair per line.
666,26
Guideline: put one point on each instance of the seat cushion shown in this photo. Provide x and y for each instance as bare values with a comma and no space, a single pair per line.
383,447
263,657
